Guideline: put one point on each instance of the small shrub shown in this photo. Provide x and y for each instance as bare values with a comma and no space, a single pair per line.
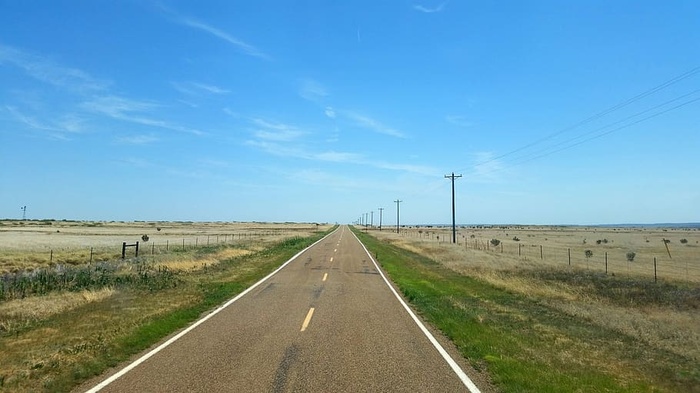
515,239
630,256
588,253
598,241
684,241
495,242
144,238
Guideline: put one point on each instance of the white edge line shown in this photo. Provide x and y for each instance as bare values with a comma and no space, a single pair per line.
455,367
145,357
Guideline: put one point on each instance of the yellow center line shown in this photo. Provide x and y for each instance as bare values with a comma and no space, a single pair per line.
336,250
307,319
331,259
325,276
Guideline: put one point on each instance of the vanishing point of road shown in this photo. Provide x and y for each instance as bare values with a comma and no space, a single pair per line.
326,321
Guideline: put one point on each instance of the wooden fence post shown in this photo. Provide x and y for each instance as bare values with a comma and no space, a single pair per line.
606,262
569,256
654,269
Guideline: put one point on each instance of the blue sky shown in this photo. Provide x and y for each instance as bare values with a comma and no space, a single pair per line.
554,112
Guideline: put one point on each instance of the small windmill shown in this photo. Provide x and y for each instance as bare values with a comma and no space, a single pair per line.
24,212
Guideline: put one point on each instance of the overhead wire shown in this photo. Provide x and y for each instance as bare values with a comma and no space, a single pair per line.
598,115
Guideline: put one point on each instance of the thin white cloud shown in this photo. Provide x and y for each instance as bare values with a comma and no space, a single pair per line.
312,90
276,132
460,121
330,112
137,139
132,111
196,88
428,10
241,45
486,168
374,125
56,129
45,70
334,156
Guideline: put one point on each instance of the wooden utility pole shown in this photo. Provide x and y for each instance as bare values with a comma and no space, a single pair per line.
380,218
454,227
397,214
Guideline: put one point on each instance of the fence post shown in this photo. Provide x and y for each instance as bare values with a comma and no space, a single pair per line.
183,244
541,252
167,245
569,256
606,262
137,249
654,269
123,250
90,254
518,249
51,257
153,248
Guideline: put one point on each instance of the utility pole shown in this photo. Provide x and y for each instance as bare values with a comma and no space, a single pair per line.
397,202
380,218
454,230
371,219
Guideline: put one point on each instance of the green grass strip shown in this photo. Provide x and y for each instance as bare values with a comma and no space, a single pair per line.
522,344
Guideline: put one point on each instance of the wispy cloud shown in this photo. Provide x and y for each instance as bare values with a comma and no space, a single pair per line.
460,121
194,23
196,88
55,129
486,167
428,10
313,90
132,111
45,70
373,125
277,132
137,139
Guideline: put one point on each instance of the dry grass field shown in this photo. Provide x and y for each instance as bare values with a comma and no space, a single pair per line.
566,246
664,315
35,244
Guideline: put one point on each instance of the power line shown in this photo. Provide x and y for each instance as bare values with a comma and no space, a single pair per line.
568,142
605,112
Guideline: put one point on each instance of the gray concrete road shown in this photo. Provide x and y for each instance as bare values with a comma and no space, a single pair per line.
326,322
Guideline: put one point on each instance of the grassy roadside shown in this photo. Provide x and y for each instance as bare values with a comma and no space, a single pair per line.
59,351
526,345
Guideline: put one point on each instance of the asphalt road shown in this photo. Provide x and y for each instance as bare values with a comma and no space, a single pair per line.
326,322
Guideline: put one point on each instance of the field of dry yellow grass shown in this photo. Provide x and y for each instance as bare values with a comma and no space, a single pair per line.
35,244
665,314
677,258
